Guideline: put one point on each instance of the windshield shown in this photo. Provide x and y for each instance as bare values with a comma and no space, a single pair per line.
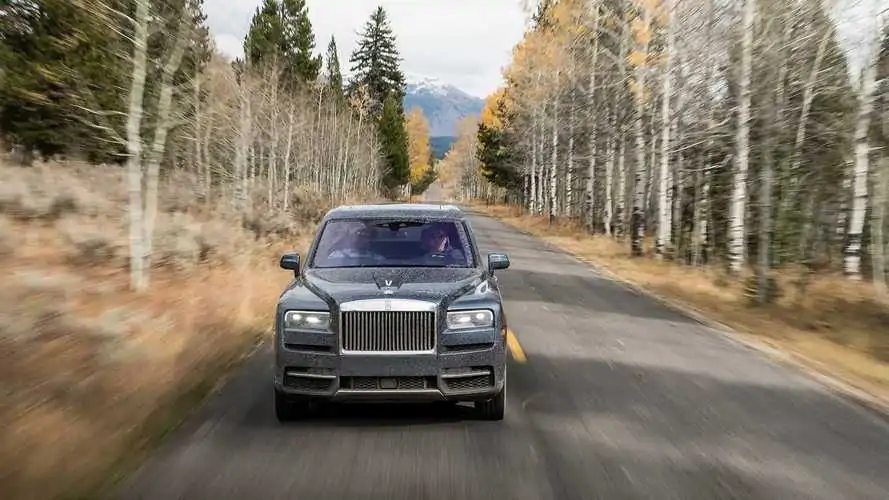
392,243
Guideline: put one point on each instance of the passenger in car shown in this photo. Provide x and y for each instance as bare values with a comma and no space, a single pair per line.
357,245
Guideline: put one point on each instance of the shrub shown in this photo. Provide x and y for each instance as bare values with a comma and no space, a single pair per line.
91,242
7,238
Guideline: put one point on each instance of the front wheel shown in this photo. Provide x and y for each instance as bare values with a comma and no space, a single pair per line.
494,408
289,408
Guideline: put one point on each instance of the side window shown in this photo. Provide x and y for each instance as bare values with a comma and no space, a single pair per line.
472,249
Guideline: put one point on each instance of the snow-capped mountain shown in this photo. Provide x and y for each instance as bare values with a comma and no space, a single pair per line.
443,104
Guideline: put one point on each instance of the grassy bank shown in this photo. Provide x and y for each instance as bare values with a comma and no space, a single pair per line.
826,322
93,373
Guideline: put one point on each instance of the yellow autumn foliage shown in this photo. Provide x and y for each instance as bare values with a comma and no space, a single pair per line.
637,58
419,149
489,115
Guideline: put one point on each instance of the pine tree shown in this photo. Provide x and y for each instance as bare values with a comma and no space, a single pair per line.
264,41
394,144
59,58
334,76
494,146
301,40
281,33
375,62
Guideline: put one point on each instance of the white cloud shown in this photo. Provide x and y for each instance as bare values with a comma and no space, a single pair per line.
462,42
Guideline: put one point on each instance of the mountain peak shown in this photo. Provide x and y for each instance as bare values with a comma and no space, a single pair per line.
430,84
443,104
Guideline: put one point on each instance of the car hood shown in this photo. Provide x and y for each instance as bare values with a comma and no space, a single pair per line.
433,284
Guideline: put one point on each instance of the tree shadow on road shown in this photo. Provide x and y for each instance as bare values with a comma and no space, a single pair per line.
586,292
708,435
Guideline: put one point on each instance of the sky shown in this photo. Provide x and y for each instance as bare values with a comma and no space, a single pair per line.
858,29
464,43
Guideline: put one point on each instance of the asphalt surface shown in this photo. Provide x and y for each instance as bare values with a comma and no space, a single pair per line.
618,398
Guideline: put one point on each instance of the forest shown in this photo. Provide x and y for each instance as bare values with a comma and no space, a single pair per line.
732,131
729,156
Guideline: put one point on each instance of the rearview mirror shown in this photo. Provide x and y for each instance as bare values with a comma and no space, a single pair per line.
290,261
497,261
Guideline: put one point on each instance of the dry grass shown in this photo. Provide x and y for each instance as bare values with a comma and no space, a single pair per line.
91,371
832,325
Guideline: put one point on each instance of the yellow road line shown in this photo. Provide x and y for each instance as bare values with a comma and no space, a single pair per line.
514,347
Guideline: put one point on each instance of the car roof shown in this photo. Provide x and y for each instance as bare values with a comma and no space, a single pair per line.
395,210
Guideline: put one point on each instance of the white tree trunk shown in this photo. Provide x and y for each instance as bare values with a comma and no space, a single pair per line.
272,169
620,213
534,201
608,203
569,179
878,256
592,139
134,145
243,149
161,129
553,172
852,260
637,221
663,228
287,170
198,111
737,206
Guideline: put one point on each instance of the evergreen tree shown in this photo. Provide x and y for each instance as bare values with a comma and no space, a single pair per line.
495,151
375,62
334,76
57,59
281,33
394,144
301,40
264,41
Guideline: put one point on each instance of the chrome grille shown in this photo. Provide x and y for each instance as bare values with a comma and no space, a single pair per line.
388,331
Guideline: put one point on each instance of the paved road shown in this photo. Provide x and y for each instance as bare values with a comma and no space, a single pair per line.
619,398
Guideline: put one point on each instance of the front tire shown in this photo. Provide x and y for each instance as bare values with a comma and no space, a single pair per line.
494,408
290,408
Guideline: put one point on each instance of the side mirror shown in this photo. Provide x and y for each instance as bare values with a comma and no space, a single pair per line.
497,261
290,261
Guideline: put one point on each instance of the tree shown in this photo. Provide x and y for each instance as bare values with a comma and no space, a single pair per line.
394,145
280,33
301,39
375,63
55,60
494,148
419,150
334,76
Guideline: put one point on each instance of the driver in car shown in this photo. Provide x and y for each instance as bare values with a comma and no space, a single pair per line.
435,240
437,244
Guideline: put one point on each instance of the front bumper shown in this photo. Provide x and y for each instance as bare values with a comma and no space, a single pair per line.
452,375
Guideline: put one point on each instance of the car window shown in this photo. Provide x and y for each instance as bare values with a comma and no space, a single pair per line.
392,243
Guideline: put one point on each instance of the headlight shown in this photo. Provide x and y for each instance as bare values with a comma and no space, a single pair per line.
306,320
470,319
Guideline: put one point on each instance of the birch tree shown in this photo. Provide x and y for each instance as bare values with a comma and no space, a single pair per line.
737,209
866,89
